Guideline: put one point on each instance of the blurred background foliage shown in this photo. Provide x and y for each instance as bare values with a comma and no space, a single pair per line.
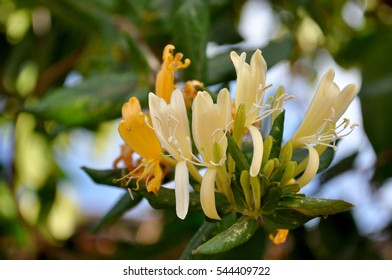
69,65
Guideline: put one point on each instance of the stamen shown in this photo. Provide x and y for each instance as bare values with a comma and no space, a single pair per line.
172,130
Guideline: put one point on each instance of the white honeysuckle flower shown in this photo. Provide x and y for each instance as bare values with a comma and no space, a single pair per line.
209,125
170,123
327,107
250,84
250,92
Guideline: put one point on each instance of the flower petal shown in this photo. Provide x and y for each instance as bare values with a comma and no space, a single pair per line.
181,189
249,78
136,133
344,100
164,84
207,194
170,122
209,122
257,140
311,168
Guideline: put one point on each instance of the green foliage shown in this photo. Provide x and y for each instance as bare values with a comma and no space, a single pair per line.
116,48
95,100
241,231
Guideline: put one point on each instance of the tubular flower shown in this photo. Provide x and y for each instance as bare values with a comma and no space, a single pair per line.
140,138
164,84
170,123
250,92
209,125
319,124
327,107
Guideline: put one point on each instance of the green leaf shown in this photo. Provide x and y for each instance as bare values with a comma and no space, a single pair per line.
315,206
239,197
277,135
95,100
224,22
239,158
190,31
270,200
205,232
237,234
285,218
124,204
294,211
105,177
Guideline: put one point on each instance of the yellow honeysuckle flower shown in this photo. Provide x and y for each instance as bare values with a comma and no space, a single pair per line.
250,92
164,84
170,122
139,137
280,236
210,123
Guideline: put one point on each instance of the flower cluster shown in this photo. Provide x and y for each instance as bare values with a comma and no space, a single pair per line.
223,139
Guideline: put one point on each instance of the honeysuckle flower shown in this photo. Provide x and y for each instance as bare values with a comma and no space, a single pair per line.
164,84
326,108
250,92
170,122
250,83
319,124
209,125
140,138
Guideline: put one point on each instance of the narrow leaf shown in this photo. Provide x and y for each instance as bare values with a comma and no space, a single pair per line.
205,232
294,211
96,99
315,206
105,177
270,200
190,32
240,160
277,135
237,234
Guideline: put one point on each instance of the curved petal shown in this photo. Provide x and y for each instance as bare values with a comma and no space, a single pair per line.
344,99
258,147
207,194
155,183
181,189
311,167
